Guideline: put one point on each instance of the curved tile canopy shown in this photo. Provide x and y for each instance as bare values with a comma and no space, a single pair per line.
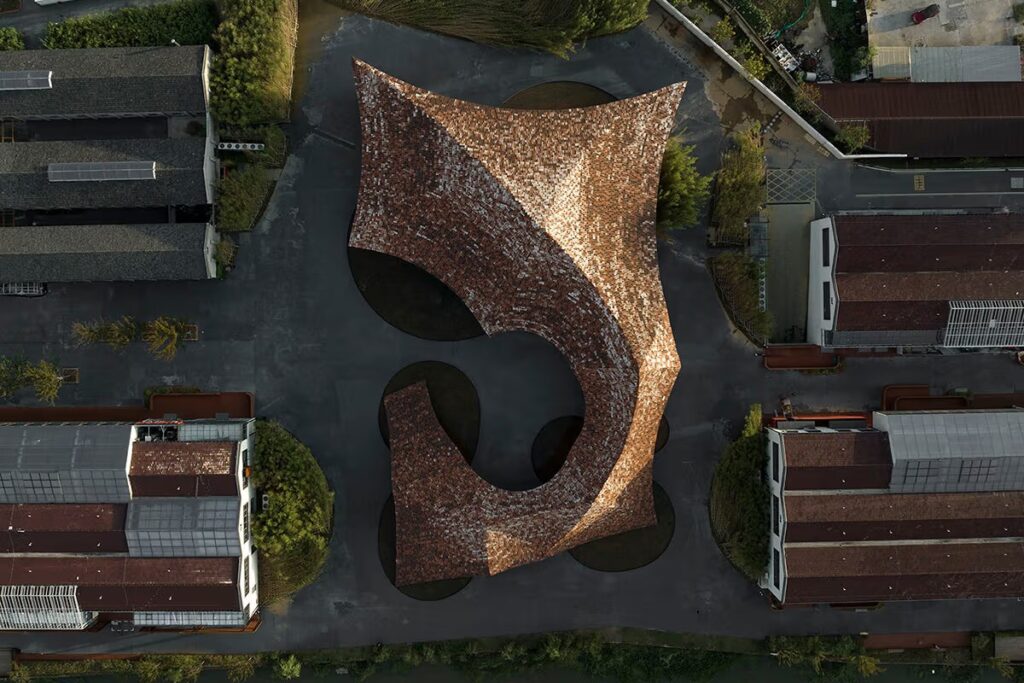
541,221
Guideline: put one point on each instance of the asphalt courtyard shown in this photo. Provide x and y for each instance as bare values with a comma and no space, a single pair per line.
290,325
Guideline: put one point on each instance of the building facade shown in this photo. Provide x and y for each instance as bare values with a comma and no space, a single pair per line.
107,165
917,506
146,522
916,282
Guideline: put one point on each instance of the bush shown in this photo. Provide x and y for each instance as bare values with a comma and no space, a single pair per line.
189,22
740,500
163,336
251,79
682,190
292,535
147,669
241,196
10,39
551,25
287,668
756,66
739,190
833,657
853,136
846,41
723,31
117,335
12,376
737,277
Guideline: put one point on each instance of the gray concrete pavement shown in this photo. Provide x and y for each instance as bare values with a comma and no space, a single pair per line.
290,324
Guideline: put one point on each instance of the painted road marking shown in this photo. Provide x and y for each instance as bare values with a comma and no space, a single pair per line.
918,183
936,194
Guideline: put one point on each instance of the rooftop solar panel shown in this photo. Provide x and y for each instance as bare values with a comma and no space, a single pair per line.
101,170
26,80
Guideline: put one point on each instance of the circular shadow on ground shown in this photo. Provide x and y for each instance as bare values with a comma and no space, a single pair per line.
554,440
452,395
558,95
411,299
431,590
552,444
632,549
663,434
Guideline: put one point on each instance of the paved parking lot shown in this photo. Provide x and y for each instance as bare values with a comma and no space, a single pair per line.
291,325
960,22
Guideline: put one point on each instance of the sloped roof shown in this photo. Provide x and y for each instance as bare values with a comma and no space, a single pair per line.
836,460
103,253
540,221
899,272
96,81
180,179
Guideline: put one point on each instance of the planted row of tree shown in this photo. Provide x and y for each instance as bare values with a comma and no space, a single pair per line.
43,377
189,22
163,335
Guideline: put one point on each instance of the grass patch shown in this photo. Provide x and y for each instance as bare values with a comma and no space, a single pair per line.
190,22
740,500
293,533
551,25
251,80
737,278
10,39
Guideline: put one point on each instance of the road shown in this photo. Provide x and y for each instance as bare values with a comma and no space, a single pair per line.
291,325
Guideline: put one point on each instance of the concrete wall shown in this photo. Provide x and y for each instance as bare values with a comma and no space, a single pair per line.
819,273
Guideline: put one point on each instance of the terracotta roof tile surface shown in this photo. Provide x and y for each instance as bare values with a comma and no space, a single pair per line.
837,460
62,528
541,221
183,457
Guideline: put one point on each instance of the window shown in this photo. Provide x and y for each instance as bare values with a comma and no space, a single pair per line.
826,302
245,523
776,568
245,569
245,468
826,247
775,461
978,471
775,515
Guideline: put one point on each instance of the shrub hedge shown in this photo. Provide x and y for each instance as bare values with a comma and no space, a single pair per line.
292,535
551,25
10,39
740,500
189,22
737,277
240,197
251,79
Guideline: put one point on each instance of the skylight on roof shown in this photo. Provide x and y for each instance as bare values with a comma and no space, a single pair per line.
26,80
102,170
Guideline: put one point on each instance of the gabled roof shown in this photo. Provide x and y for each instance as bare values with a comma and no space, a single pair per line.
103,253
112,81
836,460
933,119
180,178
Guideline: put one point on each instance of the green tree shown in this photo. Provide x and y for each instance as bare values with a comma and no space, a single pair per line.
682,190
756,66
164,335
739,190
723,31
287,668
46,379
740,506
86,333
121,333
12,376
189,22
853,136
10,39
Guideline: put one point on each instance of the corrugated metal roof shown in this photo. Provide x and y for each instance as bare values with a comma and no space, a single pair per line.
969,63
891,63
961,435
184,527
64,447
863,101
